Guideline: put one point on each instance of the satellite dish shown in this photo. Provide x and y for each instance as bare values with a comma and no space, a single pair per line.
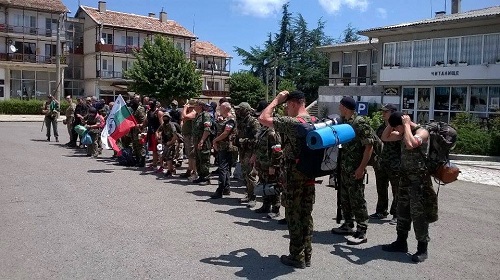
102,41
13,48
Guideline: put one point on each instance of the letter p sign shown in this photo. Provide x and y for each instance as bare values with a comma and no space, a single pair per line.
362,108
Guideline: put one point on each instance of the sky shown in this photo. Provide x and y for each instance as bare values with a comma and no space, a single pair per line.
246,23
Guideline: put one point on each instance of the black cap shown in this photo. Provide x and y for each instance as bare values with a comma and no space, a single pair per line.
348,102
395,119
260,107
296,94
389,107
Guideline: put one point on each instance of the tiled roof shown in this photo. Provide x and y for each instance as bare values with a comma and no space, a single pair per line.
208,49
486,12
356,43
138,22
42,5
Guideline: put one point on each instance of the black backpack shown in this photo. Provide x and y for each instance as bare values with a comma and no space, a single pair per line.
319,162
127,157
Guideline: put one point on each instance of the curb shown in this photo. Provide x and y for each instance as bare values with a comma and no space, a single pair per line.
474,158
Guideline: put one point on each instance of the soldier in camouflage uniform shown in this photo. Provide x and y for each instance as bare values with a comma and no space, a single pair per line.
166,134
93,123
267,161
222,144
299,190
201,131
51,111
355,157
417,199
139,114
247,129
387,170
70,119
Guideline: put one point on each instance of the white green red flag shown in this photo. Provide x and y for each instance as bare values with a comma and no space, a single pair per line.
120,121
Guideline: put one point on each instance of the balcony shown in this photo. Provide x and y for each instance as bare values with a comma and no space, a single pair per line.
30,58
215,93
104,74
115,48
28,30
352,81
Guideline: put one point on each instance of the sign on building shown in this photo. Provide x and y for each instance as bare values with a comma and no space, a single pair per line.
362,108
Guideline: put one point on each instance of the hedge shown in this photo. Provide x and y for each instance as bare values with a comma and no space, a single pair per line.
25,107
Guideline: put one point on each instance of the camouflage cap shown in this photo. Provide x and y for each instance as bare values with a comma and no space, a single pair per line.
174,102
244,105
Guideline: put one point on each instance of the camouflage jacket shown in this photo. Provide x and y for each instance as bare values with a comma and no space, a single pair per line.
413,161
166,130
52,108
352,152
390,158
226,124
140,114
247,129
202,123
287,126
70,111
266,151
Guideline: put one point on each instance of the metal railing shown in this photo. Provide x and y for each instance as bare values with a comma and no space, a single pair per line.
30,58
109,74
27,30
115,48
352,81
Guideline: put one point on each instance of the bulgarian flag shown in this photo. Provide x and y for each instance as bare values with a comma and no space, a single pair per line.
118,124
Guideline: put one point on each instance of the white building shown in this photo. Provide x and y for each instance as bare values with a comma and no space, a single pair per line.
28,32
433,68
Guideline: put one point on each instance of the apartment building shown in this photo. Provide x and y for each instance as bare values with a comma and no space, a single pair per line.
433,68
214,66
28,35
110,38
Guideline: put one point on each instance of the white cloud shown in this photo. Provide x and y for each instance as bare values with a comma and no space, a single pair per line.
259,8
333,6
382,13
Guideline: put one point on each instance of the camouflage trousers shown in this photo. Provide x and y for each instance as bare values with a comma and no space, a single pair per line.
417,203
353,200
383,176
138,148
299,195
51,122
264,177
94,149
247,169
202,162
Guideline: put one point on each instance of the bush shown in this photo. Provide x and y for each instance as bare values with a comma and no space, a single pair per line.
375,120
25,107
473,139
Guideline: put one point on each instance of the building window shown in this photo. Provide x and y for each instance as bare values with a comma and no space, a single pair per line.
494,99
471,49
438,51
389,49
211,85
363,61
403,54
374,67
108,38
335,67
422,53
453,50
346,68
458,99
104,64
491,48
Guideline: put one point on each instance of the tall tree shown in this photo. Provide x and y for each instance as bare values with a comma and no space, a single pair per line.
245,87
350,34
163,71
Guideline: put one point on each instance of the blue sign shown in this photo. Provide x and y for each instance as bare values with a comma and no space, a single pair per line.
362,108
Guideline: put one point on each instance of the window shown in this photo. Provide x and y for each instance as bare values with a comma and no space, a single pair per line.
458,98
389,54
453,49
124,65
108,38
423,105
374,67
363,61
18,20
335,67
50,50
130,41
409,99
211,85
403,54
494,100
179,46
347,67
491,48
438,51
442,98
471,49
422,53
104,64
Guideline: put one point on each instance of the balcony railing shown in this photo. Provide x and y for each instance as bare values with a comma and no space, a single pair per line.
28,30
109,74
30,58
115,48
352,81
217,93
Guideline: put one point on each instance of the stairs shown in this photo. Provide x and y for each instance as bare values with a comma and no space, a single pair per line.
313,108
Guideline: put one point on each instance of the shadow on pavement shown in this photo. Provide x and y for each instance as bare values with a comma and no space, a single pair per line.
267,224
327,238
359,255
101,171
39,140
254,266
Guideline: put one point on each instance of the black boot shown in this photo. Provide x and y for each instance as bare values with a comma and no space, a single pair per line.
400,245
307,259
217,194
265,208
421,254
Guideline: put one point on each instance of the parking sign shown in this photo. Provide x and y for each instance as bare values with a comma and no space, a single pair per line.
362,108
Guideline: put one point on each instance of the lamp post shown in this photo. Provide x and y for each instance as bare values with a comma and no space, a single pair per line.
58,57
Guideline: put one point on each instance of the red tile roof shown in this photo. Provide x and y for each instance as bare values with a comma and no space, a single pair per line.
208,49
138,22
41,5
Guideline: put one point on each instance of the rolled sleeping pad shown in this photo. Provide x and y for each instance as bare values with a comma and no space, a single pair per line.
80,130
330,136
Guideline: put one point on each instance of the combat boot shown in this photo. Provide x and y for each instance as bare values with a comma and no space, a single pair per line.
344,229
421,254
359,237
57,139
275,213
291,261
307,260
265,208
400,245
252,201
48,138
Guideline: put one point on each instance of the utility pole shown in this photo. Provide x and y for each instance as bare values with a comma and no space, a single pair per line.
267,84
280,55
58,58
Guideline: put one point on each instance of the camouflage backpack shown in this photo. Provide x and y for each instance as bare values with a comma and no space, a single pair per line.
442,139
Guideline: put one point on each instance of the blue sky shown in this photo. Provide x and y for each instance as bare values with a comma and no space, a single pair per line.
245,23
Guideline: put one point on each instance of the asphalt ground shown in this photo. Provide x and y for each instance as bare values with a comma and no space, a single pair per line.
66,216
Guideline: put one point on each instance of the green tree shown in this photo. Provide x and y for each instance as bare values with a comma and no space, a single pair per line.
163,71
245,87
350,34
